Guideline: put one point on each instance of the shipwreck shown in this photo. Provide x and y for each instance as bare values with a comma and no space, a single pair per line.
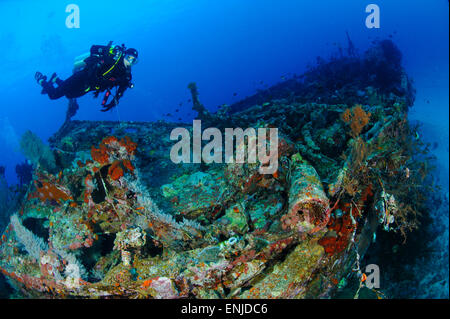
109,215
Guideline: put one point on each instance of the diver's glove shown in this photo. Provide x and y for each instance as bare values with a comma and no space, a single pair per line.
110,105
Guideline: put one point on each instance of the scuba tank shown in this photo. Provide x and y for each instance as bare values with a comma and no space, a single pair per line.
78,63
98,50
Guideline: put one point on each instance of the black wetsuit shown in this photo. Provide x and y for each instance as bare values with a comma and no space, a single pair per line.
99,74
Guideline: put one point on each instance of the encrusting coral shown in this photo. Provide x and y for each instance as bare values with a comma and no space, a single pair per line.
118,219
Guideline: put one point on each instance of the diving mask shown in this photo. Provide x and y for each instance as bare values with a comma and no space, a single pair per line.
132,60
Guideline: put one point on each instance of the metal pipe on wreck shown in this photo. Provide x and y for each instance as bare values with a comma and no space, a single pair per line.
308,204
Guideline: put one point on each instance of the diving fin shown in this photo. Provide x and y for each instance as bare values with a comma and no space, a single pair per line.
55,79
39,77
41,80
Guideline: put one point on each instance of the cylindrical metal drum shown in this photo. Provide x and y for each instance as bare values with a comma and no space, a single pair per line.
308,204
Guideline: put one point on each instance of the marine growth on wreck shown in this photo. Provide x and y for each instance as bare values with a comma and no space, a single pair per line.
108,214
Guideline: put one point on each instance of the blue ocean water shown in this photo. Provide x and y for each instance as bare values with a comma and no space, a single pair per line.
229,48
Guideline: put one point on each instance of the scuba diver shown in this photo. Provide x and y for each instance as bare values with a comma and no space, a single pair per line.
102,69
